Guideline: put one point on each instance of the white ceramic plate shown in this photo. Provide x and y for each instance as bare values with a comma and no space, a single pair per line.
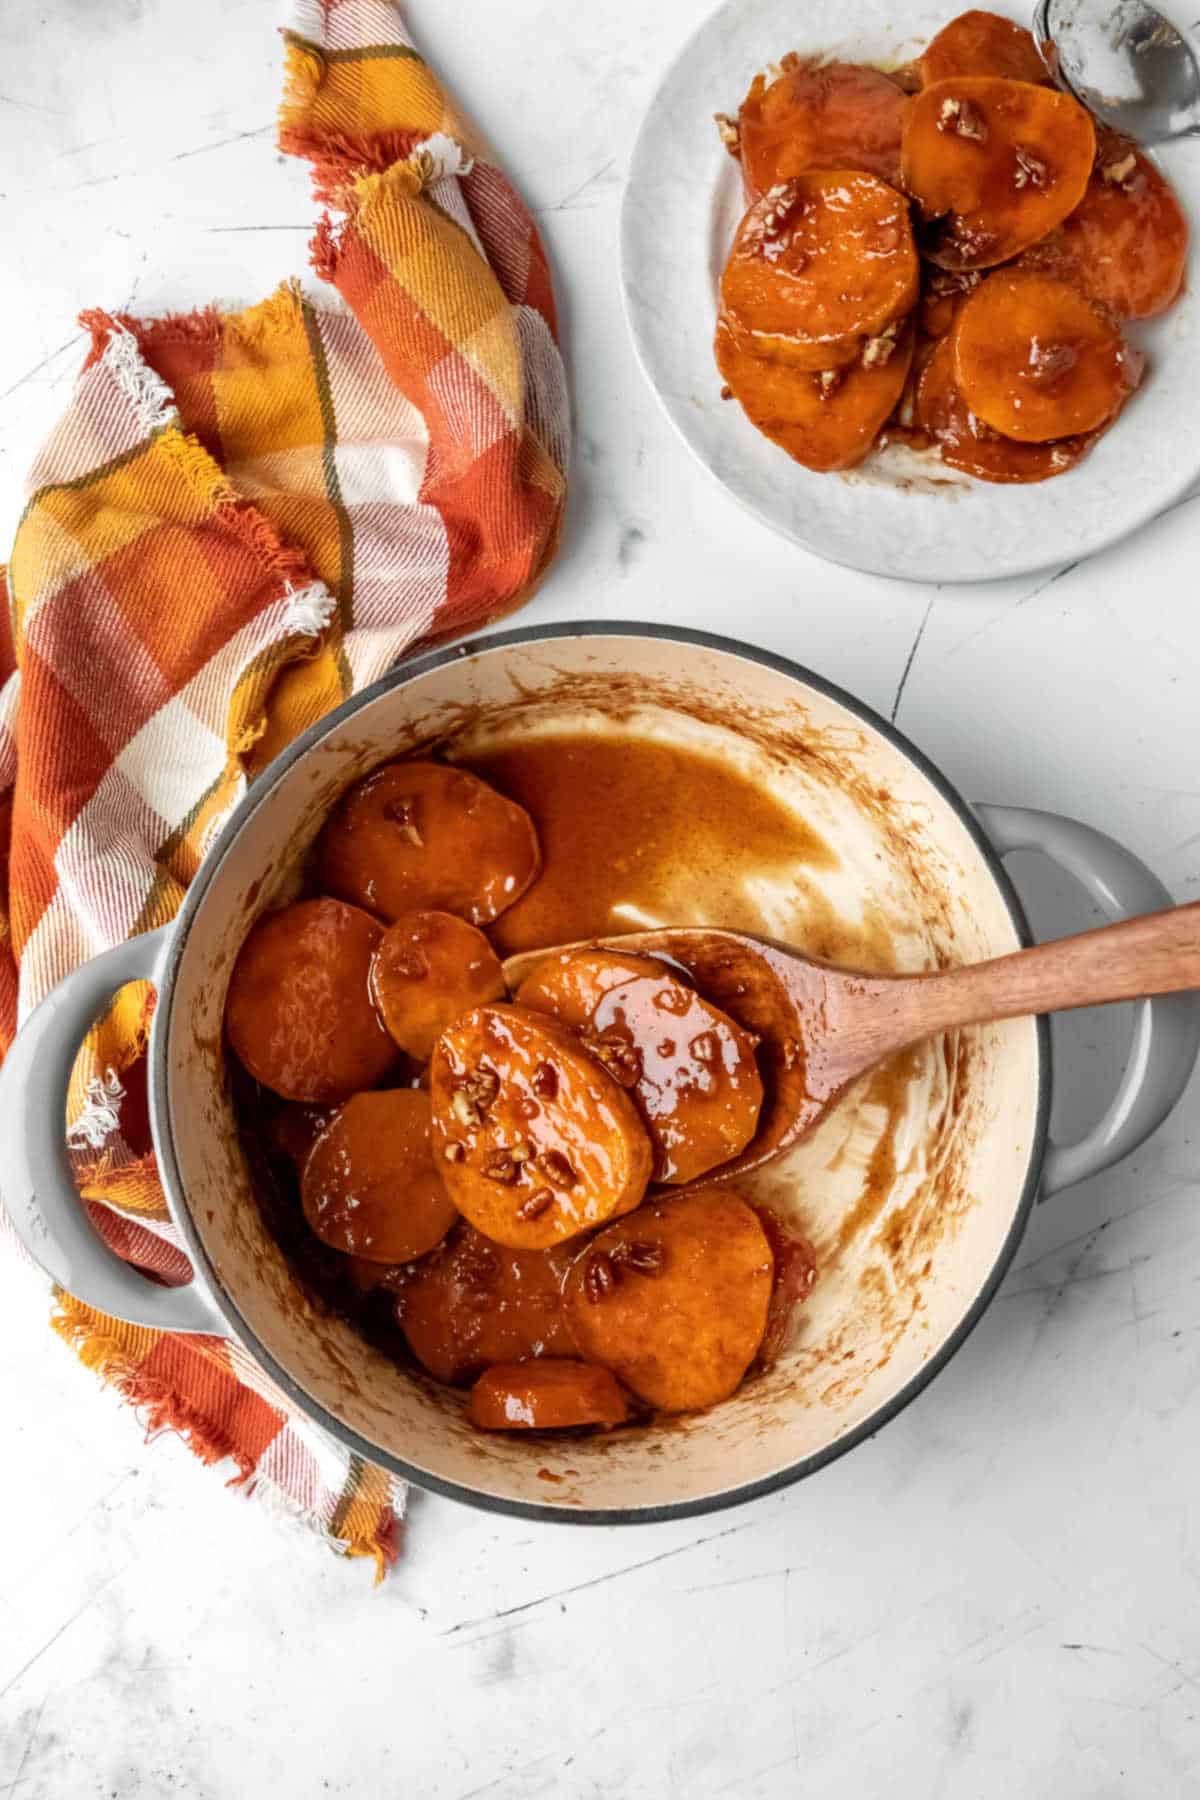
889,517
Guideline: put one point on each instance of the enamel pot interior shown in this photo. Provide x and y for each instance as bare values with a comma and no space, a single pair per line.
914,1192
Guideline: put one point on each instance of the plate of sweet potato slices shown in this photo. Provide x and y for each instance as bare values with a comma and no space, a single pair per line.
909,302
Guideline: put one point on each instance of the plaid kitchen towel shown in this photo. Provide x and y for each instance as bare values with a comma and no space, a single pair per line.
242,519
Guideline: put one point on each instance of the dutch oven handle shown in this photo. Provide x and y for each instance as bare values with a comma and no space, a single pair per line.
1166,1030
36,1184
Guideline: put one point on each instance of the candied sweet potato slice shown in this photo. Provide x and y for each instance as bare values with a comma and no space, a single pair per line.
819,115
548,1395
820,262
298,1013
420,836
572,984
966,443
1126,243
674,1298
538,1141
430,967
697,1085
828,420
981,43
994,165
1036,361
471,1303
370,1186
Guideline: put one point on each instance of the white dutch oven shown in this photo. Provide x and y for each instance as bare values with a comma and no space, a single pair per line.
916,1191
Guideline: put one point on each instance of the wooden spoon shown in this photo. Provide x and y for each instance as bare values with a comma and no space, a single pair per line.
822,1027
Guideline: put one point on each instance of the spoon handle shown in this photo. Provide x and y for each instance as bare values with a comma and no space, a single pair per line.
1156,954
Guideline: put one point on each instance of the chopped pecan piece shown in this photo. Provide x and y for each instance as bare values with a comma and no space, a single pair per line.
537,1203
403,815
1030,171
731,136
964,119
643,1259
1118,173
600,1277
555,1167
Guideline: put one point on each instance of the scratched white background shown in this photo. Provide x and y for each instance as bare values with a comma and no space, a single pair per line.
996,1598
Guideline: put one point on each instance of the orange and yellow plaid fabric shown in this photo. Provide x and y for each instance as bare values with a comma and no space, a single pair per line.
241,520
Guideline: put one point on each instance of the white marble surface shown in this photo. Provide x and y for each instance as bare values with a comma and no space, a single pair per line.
997,1597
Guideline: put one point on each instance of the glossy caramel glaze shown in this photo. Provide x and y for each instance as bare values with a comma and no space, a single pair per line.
370,1187
698,1086
537,1142
625,823
572,984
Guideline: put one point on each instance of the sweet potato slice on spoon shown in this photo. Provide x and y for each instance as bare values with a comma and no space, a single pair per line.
993,165
744,977
537,1141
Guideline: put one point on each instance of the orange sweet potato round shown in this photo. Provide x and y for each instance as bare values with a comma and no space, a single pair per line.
674,1299
1035,361
429,968
981,43
298,1013
994,165
966,443
547,1395
825,421
471,1303
697,1087
820,262
572,984
537,1141
418,836
1126,243
370,1187
816,115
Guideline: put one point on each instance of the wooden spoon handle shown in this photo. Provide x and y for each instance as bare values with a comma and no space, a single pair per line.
1157,954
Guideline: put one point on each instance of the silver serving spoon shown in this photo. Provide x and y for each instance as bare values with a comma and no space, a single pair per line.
1128,64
